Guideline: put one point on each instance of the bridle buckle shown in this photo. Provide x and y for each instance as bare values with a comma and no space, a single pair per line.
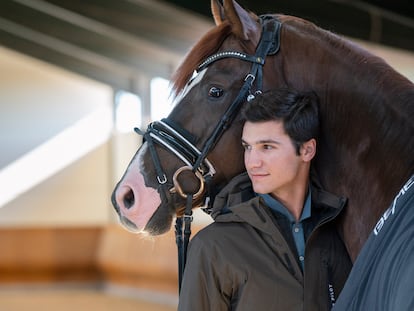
177,187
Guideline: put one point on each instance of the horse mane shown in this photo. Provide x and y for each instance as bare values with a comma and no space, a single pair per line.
310,29
358,57
208,45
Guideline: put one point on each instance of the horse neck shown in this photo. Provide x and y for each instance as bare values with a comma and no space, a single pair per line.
367,142
367,109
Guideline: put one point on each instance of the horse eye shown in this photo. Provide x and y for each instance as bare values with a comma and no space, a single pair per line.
215,92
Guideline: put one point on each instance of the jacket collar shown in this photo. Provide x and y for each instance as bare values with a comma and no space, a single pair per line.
237,202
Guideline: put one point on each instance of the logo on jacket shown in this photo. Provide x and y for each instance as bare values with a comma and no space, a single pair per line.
391,210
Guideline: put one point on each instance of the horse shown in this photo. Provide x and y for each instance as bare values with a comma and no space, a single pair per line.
366,147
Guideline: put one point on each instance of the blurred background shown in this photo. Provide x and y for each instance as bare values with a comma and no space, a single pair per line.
75,78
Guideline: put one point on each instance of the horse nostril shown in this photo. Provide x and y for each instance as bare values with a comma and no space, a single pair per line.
129,199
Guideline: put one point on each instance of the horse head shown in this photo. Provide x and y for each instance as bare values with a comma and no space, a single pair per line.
164,170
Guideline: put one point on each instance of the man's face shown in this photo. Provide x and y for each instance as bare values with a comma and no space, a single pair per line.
270,158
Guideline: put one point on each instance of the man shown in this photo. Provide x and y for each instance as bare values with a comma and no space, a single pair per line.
273,244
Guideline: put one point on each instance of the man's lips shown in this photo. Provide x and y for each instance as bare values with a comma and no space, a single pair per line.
257,176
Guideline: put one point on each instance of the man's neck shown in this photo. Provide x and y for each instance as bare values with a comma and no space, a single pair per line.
293,198
294,204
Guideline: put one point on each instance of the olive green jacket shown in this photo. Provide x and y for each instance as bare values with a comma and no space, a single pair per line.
242,262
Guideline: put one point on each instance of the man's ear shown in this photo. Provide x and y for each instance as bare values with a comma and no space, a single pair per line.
308,150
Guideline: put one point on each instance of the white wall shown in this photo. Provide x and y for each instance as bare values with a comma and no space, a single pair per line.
39,102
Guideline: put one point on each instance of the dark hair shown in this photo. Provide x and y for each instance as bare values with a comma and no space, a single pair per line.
298,111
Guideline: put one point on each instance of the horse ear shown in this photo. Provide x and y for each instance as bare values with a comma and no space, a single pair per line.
241,20
217,11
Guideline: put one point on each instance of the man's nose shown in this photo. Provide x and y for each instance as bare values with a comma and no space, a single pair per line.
252,159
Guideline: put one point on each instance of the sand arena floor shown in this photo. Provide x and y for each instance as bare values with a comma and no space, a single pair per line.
80,298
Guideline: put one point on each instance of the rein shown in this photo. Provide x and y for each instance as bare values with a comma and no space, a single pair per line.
180,143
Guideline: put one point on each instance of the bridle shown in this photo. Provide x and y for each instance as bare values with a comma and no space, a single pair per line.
180,143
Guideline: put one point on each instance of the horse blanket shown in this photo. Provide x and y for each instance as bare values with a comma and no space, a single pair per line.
383,274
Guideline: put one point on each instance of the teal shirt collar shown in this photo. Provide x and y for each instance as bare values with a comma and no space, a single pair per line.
278,207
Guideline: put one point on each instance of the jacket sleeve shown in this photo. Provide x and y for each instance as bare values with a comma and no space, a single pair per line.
202,289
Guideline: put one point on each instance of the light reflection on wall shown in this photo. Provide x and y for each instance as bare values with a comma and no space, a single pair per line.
161,103
127,112
55,154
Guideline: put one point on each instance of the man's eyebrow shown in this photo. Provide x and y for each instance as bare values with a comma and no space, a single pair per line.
262,141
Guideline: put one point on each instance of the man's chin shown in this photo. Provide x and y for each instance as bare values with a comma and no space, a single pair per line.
260,189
